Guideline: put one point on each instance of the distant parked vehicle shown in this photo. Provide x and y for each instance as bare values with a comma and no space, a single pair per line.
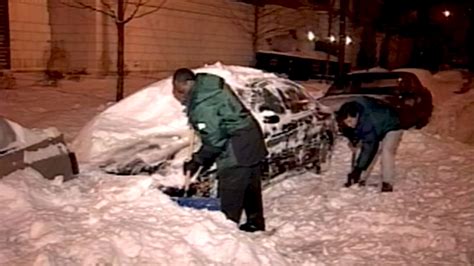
401,90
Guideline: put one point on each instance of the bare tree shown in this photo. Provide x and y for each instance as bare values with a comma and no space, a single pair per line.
265,22
365,16
121,12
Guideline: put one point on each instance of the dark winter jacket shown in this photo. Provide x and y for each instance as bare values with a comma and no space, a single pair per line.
229,134
375,120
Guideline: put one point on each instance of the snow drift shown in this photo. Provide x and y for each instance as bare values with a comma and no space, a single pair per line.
100,219
104,220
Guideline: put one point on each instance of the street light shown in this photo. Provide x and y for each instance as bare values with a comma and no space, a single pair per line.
446,13
348,40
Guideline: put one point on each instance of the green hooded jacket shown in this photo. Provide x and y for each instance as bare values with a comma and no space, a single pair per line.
229,134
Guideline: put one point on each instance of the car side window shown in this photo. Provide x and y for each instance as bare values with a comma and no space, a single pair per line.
295,99
271,102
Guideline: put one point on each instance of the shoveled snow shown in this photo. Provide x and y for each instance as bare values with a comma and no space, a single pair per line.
97,218
101,219
429,219
454,118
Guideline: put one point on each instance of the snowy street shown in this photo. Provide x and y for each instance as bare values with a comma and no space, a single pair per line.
100,219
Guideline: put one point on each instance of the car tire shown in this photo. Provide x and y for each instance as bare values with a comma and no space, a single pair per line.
323,162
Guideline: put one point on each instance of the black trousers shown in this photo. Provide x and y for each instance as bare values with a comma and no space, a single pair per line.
240,188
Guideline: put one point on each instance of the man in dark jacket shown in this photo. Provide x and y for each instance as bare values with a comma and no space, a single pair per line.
230,137
373,123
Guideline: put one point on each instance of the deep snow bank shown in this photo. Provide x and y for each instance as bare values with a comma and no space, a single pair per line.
455,118
427,220
107,220
129,121
453,113
104,220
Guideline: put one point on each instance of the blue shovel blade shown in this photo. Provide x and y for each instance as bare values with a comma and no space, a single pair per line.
211,204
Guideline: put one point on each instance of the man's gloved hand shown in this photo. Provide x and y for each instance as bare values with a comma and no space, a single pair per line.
191,166
353,177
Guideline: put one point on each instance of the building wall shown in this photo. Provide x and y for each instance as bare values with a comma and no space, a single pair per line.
182,33
74,39
29,34
324,29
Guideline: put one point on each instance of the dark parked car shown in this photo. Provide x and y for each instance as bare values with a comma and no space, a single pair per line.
401,90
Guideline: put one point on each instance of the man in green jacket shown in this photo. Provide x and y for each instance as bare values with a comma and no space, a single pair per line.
230,137
371,123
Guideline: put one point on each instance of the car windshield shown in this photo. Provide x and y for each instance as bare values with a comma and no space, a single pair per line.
368,84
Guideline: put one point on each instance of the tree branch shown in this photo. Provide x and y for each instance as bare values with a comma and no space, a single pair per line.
107,5
263,34
143,3
270,12
137,6
81,5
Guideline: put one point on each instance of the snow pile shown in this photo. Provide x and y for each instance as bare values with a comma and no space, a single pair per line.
105,220
429,219
449,76
43,153
25,136
100,219
452,114
136,117
108,220
454,118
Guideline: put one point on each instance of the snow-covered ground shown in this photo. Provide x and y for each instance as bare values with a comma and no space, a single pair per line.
100,219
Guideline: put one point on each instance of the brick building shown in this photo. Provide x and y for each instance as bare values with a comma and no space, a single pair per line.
36,34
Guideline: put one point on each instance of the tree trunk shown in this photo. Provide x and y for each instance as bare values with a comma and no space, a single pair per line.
384,56
367,56
256,26
120,51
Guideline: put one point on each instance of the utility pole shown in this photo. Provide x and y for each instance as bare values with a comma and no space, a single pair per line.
342,36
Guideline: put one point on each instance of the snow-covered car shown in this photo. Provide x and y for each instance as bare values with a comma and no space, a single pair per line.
298,130
400,89
145,132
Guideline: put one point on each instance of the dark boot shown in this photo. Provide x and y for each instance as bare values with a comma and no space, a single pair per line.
351,180
362,183
386,187
252,227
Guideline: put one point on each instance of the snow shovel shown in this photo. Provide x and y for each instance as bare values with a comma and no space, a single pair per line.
183,197
183,191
